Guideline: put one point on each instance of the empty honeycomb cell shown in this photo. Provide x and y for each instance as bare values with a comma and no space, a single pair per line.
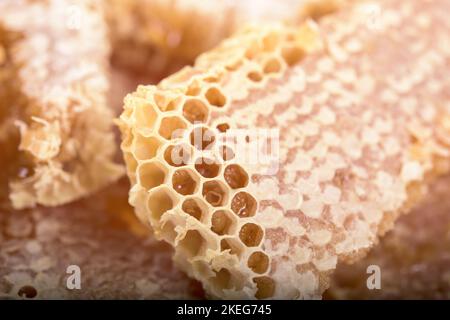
292,55
202,138
178,155
255,76
222,222
222,279
244,205
215,97
207,167
195,208
168,232
215,193
223,127
130,161
265,287
184,181
195,111
270,41
192,244
233,245
145,148
272,65
226,153
165,103
151,174
258,262
171,127
145,116
235,176
251,234
159,202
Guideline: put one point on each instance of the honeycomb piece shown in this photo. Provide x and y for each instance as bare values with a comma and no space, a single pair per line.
163,34
55,126
349,123
117,256
413,257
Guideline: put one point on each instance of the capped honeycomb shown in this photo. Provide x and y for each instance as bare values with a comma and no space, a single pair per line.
55,127
117,256
351,122
162,34
413,257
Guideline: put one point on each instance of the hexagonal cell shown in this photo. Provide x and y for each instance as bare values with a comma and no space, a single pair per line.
178,155
233,245
145,116
271,41
215,193
195,110
222,279
272,65
226,153
265,287
292,55
222,222
215,97
130,162
244,205
172,127
207,167
223,127
235,176
184,181
166,102
160,201
202,138
255,76
192,244
145,148
258,262
151,174
195,207
251,234
168,232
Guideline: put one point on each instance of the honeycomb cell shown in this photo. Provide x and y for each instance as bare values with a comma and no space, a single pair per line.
226,153
223,127
265,287
235,176
215,97
166,103
270,42
251,234
244,205
258,262
222,279
292,55
273,65
145,116
192,244
168,231
159,202
184,181
195,208
151,174
145,148
178,155
255,76
207,167
28,292
130,161
195,111
171,127
215,193
202,138
222,222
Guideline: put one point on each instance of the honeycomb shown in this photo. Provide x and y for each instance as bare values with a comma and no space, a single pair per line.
54,116
360,137
117,256
413,257
166,35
